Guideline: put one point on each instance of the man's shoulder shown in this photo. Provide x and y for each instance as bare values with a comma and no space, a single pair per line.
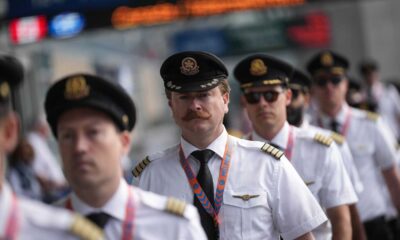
365,116
315,137
167,206
48,218
259,148
155,159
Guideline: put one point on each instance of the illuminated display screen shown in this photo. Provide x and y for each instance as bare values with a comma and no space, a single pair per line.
125,17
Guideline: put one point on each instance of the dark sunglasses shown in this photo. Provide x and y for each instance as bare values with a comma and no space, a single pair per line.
323,81
269,96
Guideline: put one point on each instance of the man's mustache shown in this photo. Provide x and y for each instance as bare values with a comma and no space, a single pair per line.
202,114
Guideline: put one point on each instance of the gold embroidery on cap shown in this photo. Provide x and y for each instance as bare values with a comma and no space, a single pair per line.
258,67
76,88
4,90
189,66
327,59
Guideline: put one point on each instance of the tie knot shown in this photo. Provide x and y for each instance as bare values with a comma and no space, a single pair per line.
99,218
335,125
203,155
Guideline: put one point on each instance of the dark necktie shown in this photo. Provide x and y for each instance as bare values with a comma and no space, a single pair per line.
335,126
205,180
100,218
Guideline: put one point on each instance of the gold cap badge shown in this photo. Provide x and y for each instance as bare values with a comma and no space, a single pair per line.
189,66
4,90
327,59
76,88
125,120
258,67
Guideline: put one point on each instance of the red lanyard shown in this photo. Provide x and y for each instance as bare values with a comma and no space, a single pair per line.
13,221
290,144
345,125
128,224
222,178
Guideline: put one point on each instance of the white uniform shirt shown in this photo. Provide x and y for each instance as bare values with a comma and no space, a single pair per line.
388,100
151,221
321,168
283,204
36,220
372,148
345,153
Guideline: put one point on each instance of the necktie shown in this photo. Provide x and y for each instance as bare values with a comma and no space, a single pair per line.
335,126
205,180
100,218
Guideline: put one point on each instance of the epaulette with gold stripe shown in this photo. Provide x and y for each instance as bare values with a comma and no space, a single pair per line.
175,206
338,138
138,169
86,230
372,116
327,141
273,151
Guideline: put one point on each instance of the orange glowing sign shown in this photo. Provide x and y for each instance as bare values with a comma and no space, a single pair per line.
125,17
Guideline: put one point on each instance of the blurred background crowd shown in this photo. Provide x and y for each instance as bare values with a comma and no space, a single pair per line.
127,41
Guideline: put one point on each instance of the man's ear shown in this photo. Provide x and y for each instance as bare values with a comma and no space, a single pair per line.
226,99
10,132
288,95
126,140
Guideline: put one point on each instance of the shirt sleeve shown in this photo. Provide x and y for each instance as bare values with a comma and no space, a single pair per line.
351,169
295,210
336,185
385,142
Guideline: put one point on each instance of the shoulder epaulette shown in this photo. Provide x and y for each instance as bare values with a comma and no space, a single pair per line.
86,230
338,138
327,141
175,206
372,116
273,151
138,169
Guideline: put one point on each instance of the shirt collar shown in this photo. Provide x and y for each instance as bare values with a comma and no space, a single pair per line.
115,207
217,146
280,139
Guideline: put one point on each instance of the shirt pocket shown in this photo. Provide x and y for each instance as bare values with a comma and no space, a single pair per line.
245,214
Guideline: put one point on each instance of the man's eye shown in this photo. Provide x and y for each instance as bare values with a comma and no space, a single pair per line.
183,97
65,136
203,95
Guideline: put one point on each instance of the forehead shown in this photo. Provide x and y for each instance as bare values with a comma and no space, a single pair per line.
263,88
328,75
82,115
213,90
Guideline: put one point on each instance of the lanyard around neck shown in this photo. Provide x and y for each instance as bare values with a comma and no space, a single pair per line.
222,178
290,144
12,226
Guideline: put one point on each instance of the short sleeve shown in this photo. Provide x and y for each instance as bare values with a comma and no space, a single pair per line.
295,210
385,142
336,185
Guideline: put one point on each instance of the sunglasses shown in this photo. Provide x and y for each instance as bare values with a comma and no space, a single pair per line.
323,81
269,96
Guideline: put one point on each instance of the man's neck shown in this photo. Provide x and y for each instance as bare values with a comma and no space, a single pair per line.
269,133
200,140
331,111
97,196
